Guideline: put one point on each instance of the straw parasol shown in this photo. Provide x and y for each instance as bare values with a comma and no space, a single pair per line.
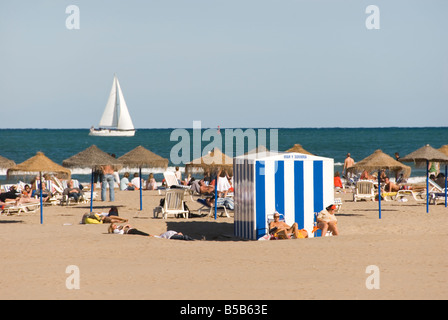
423,156
39,163
299,149
6,163
211,162
444,149
378,161
142,158
92,157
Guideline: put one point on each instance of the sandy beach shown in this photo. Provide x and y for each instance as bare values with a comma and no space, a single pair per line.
408,246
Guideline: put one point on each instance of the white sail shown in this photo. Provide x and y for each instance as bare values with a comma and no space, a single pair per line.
124,120
116,120
110,114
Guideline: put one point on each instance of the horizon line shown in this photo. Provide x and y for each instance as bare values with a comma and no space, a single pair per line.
224,128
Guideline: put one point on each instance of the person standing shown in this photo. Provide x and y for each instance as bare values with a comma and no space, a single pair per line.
178,175
108,178
349,162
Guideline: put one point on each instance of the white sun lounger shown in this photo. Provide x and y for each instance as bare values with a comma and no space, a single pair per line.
30,207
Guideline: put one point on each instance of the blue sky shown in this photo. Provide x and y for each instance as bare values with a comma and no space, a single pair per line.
245,63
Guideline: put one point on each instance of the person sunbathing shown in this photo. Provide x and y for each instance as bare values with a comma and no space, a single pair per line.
283,231
126,229
390,186
201,188
221,202
174,235
72,192
10,195
26,196
326,221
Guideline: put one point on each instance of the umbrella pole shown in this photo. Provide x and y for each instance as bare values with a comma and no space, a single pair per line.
379,194
446,173
41,204
427,186
216,197
141,186
91,192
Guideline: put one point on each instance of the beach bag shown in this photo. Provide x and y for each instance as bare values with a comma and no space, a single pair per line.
90,218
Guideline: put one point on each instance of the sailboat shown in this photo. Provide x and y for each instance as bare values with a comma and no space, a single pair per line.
116,120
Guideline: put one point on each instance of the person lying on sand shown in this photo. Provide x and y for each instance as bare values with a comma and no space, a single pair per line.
174,235
284,231
126,229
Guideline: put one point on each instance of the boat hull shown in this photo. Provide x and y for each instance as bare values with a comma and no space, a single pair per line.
111,133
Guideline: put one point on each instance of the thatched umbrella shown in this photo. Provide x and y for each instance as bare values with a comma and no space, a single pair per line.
6,163
38,164
444,149
299,149
211,161
378,161
423,156
142,158
92,157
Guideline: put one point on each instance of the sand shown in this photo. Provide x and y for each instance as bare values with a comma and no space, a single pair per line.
408,246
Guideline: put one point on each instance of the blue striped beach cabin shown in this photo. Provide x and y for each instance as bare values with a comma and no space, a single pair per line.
293,184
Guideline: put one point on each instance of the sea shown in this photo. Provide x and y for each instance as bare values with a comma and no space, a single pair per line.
59,144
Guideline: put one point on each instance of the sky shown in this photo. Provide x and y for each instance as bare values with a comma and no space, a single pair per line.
233,63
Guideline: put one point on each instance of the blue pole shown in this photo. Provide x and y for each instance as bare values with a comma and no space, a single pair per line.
141,186
427,186
41,204
91,192
446,173
216,197
379,193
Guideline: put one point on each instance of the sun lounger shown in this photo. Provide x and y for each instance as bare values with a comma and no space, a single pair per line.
403,193
172,183
338,204
435,187
211,209
173,204
364,191
30,207
434,197
388,196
